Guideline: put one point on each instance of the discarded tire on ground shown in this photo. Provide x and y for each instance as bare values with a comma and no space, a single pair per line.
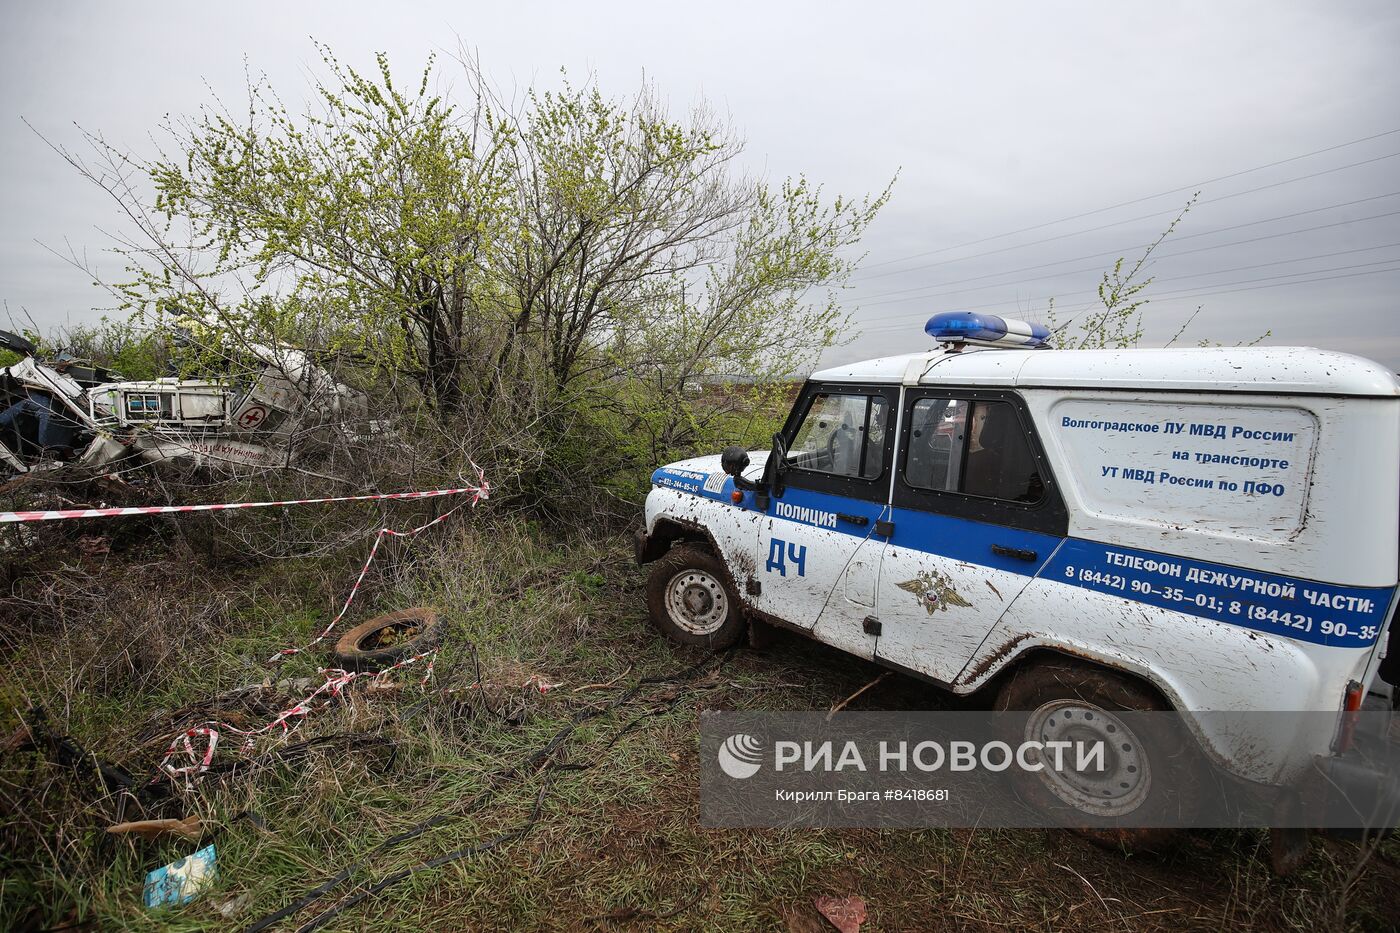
388,639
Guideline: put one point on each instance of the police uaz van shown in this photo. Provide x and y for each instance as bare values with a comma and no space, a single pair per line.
1175,529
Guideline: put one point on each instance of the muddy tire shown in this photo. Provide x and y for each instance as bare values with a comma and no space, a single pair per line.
691,600
388,639
1151,774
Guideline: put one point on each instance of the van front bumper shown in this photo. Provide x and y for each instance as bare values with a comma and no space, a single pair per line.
647,548
641,546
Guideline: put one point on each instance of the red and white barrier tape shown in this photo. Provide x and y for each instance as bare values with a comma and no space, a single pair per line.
51,515
337,680
374,549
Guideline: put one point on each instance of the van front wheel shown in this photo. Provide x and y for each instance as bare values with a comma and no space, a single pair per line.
690,600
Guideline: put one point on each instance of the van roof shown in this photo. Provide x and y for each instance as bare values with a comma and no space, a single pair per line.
1271,370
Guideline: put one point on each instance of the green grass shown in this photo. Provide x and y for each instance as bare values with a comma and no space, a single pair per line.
617,846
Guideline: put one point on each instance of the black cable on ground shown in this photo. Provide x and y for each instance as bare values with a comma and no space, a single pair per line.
538,757
67,753
551,771
328,915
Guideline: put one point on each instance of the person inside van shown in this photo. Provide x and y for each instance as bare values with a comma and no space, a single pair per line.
999,461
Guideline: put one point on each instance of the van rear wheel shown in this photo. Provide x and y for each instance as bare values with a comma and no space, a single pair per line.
1149,775
691,601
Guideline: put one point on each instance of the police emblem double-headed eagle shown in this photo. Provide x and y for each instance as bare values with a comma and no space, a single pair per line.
934,591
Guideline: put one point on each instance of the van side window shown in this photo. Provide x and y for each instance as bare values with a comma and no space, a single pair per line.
973,447
843,435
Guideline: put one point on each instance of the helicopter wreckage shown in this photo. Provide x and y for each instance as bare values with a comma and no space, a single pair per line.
62,413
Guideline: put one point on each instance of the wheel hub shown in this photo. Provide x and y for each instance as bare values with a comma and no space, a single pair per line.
696,602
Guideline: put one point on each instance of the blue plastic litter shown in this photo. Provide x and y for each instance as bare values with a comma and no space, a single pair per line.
182,880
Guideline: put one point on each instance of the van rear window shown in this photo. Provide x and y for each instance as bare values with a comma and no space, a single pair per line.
1234,469
974,447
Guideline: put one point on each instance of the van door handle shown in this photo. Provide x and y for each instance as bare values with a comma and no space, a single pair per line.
1018,553
853,519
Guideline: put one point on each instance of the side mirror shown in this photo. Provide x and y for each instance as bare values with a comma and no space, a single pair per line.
734,460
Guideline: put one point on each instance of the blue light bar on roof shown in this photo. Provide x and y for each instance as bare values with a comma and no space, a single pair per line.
985,330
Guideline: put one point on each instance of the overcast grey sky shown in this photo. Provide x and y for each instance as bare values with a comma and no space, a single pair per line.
999,117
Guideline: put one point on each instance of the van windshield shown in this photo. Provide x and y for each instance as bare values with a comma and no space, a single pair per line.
843,435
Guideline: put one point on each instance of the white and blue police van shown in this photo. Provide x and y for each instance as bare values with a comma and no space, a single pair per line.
1175,529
